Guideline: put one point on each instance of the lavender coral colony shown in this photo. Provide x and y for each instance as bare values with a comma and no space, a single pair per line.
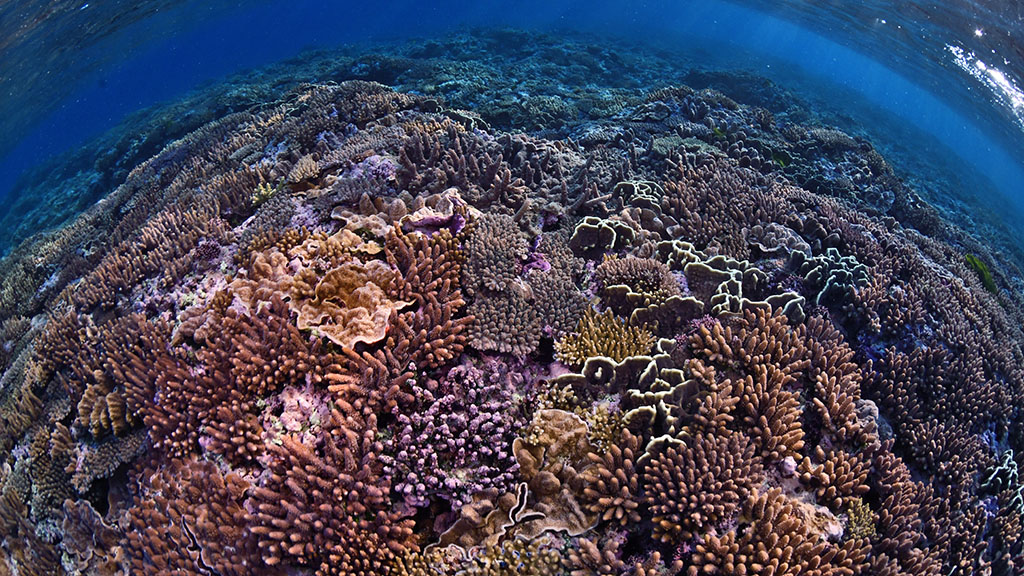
358,331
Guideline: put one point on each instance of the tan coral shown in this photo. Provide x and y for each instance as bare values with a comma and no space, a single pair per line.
350,304
603,334
613,484
102,409
551,456
776,538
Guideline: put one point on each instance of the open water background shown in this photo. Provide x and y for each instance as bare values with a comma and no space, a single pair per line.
952,70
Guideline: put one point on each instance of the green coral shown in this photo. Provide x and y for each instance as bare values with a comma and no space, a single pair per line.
981,269
263,192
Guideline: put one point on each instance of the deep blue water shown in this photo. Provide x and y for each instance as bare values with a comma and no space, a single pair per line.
120,57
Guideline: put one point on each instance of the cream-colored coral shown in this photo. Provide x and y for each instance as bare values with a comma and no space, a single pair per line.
327,286
550,456
305,168
350,304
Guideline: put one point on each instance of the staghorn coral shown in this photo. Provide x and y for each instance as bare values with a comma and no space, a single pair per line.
613,483
251,357
771,414
901,538
590,559
433,333
776,540
326,506
837,478
429,275
188,518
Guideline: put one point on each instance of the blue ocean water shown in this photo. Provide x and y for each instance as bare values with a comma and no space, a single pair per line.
902,58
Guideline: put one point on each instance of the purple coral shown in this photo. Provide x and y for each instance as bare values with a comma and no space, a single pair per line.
459,442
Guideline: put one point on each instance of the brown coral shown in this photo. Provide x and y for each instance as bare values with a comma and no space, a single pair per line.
612,482
327,506
837,477
349,304
691,484
776,540
188,518
550,457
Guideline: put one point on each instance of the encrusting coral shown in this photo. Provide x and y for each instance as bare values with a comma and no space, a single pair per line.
355,331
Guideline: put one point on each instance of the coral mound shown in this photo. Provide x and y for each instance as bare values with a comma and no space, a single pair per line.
353,332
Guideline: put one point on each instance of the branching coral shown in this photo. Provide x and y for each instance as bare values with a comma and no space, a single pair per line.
776,540
359,373
602,334
326,506
612,482
495,249
188,518
457,442
692,484
837,477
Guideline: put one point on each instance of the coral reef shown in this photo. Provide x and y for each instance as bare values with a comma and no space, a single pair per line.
355,330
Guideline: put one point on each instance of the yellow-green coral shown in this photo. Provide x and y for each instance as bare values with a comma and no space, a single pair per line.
263,192
603,334
861,522
605,425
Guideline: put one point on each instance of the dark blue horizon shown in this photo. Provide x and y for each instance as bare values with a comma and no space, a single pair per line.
258,35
